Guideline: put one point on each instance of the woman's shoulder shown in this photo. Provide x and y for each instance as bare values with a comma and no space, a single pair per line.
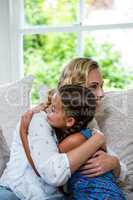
39,115
39,119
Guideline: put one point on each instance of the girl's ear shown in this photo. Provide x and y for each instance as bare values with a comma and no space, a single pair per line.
70,121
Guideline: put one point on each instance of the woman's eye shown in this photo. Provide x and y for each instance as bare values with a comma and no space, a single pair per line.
93,87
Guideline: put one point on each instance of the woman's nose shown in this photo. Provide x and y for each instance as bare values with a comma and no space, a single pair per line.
100,93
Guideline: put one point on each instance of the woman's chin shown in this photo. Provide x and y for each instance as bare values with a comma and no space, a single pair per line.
98,105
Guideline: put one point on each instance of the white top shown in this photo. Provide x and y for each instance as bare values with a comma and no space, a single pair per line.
52,166
123,167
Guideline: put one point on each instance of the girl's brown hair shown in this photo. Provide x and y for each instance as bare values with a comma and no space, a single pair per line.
77,102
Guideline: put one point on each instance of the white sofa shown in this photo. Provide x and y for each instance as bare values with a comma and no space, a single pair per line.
115,119
14,100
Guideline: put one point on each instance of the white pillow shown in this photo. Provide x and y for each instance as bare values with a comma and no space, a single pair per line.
116,122
43,93
14,100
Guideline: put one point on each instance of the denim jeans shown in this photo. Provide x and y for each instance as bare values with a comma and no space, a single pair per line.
7,194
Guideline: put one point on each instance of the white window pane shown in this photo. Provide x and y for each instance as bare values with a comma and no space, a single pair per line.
108,11
51,12
113,50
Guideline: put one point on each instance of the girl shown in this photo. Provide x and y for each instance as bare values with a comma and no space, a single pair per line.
72,107
76,107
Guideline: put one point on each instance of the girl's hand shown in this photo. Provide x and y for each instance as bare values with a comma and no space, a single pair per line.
95,131
25,121
99,164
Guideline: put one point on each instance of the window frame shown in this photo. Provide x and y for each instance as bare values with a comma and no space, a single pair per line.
18,29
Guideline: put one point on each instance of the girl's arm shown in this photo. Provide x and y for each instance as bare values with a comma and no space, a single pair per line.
73,141
77,139
80,154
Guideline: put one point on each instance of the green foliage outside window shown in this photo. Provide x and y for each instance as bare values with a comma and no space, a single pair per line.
44,57
114,74
51,12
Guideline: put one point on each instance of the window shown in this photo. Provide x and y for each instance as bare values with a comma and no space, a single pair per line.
54,31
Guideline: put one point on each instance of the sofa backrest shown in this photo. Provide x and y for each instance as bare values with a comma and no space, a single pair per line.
116,121
14,100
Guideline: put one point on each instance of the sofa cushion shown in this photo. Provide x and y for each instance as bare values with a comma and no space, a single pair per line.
43,93
129,196
116,122
14,100
4,152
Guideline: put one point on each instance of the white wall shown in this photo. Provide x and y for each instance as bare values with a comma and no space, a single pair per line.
5,70
10,40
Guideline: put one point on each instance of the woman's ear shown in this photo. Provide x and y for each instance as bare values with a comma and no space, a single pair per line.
70,121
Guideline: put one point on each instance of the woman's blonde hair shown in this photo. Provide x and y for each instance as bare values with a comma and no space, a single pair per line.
76,71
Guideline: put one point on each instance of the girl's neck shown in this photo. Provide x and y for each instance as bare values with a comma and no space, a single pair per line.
62,133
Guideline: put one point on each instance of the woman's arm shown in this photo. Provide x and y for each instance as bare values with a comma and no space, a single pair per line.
100,163
24,140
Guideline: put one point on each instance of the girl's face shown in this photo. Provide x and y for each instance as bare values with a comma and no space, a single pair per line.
95,83
56,116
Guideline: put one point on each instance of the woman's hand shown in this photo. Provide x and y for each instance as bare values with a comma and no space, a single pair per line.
99,164
27,116
25,121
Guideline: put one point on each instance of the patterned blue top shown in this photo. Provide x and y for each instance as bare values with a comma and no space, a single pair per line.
102,187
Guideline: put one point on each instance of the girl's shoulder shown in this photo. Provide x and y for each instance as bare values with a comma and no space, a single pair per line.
71,142
87,133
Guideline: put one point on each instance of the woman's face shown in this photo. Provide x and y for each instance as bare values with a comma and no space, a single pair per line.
95,83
